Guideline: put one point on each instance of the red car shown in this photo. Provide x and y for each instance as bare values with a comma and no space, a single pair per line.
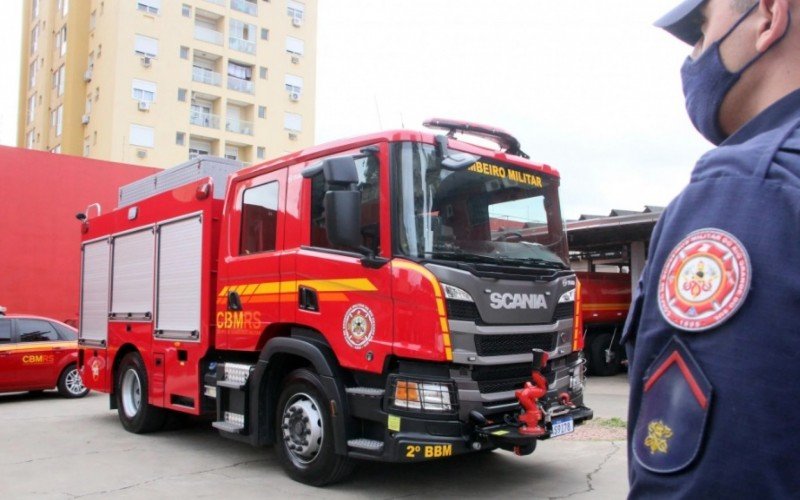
39,353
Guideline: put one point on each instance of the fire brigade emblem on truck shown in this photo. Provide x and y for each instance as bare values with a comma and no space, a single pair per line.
358,326
704,281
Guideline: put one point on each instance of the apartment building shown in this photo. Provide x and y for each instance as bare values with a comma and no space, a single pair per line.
156,82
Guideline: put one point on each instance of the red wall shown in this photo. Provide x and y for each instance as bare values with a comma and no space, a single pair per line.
40,193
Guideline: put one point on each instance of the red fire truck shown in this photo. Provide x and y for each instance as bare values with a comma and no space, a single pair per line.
605,299
349,301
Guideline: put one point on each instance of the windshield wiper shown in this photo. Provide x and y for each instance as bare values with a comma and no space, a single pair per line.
532,262
460,255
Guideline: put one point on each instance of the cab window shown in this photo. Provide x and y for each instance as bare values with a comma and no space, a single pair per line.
64,333
369,184
5,331
259,219
34,330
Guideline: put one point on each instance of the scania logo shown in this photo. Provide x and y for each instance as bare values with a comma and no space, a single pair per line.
518,301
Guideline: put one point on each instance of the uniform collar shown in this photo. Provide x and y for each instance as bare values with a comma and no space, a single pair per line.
774,117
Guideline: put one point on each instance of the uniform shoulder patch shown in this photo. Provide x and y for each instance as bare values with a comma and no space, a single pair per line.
704,281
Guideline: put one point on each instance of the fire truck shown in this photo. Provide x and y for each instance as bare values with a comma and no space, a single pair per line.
605,299
399,297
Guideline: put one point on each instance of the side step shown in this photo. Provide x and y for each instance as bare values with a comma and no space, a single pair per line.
365,402
232,383
368,445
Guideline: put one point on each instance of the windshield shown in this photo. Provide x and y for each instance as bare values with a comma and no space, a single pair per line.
492,212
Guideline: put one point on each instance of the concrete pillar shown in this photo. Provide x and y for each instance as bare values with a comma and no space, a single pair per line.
638,257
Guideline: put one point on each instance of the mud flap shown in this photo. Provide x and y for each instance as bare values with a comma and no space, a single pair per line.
675,407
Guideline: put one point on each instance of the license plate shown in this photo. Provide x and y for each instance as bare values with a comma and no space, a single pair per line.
562,426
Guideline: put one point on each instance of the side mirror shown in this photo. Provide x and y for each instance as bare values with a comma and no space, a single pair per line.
343,218
454,161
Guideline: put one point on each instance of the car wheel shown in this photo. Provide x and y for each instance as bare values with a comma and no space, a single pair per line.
70,384
305,445
597,356
135,412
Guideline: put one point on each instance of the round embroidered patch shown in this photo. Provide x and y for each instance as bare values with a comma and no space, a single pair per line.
358,326
704,281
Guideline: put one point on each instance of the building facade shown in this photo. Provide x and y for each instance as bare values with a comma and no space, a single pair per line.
156,82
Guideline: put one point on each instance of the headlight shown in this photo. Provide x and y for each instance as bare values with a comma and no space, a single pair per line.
455,293
424,396
567,297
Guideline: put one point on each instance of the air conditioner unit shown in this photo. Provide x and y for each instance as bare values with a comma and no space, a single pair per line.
295,59
85,119
294,96
87,76
146,61
141,153
292,136
297,21
144,105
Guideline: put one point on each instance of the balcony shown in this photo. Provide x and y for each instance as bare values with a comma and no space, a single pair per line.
218,2
204,75
208,35
238,126
242,45
204,119
240,85
245,6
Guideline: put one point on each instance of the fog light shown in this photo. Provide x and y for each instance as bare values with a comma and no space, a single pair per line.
425,396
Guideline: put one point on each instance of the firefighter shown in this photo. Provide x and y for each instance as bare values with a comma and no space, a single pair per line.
712,335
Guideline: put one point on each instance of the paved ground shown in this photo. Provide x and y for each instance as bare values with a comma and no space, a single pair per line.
56,448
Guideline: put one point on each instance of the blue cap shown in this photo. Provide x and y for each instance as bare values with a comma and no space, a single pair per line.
684,21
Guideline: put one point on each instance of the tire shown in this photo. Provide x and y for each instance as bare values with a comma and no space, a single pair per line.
304,433
597,356
136,414
70,384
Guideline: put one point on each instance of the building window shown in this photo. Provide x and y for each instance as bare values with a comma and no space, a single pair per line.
87,148
142,136
88,106
198,148
32,74
242,36
35,9
96,94
180,138
61,41
93,20
259,219
35,39
57,120
149,6
56,150
184,52
262,111
262,73
264,34
294,46
292,122
182,95
29,138
186,10
293,84
146,46
59,79
295,10
63,6
240,77
261,152
31,108
142,90
232,152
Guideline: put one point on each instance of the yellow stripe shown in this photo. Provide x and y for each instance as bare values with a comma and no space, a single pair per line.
249,290
45,346
440,307
410,266
287,287
605,307
268,288
291,286
340,285
224,291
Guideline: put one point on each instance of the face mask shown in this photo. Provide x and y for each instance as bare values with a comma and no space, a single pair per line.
706,82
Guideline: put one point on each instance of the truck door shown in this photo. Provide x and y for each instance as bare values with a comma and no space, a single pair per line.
250,282
336,294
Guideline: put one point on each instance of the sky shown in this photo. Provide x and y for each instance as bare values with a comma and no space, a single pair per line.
588,87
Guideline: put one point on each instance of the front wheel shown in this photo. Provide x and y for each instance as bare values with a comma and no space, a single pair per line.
70,384
305,445
135,412
599,363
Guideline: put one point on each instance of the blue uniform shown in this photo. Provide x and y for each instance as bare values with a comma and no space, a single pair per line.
713,335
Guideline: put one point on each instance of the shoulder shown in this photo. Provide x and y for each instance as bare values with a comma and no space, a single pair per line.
785,166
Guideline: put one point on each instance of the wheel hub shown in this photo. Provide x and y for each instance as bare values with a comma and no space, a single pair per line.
74,383
302,428
131,393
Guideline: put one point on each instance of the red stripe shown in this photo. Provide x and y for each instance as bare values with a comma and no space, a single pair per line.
675,357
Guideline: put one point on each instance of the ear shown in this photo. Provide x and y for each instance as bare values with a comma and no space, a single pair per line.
772,24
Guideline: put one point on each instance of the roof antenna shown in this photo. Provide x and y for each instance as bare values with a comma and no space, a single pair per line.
402,122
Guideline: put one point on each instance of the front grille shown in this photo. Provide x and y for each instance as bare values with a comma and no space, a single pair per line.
518,370
564,310
502,385
463,311
499,345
